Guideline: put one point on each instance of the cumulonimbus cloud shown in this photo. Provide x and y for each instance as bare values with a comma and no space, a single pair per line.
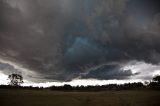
62,40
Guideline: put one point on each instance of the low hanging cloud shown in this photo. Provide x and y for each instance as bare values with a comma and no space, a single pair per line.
65,39
8,69
107,72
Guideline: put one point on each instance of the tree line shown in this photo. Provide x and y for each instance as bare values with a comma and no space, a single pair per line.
153,84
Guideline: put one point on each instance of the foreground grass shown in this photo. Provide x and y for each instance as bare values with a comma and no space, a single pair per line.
53,98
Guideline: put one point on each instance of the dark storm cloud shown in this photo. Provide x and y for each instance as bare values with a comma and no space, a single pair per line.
64,39
107,72
8,69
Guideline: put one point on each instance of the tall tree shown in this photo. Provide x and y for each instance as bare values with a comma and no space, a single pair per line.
15,79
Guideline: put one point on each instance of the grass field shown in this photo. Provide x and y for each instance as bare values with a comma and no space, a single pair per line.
53,98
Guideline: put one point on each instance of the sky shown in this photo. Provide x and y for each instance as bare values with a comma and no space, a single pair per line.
79,41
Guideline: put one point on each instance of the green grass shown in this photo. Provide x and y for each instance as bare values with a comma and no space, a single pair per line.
53,98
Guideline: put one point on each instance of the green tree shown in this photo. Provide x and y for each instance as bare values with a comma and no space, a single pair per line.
15,80
157,79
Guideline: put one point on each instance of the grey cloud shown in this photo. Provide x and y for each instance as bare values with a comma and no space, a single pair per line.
11,68
8,69
107,72
61,40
